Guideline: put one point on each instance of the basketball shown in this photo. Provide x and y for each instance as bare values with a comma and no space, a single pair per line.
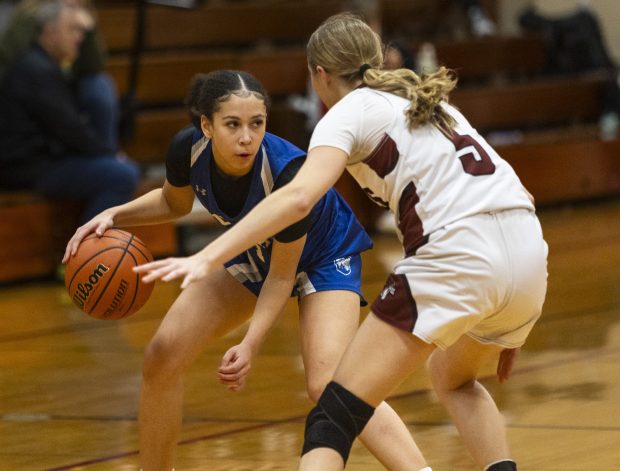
100,279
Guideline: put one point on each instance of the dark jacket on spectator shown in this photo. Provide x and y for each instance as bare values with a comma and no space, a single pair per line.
39,118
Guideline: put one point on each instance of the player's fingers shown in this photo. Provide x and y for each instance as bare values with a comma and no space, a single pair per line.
506,363
227,382
73,245
146,267
235,371
231,368
230,362
101,228
154,275
173,275
227,358
239,386
69,251
188,280
228,377
236,387
150,266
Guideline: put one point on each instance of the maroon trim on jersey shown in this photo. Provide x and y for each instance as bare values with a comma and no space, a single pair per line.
395,304
384,157
409,222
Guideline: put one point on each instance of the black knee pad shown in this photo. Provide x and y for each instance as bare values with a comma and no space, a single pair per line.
505,465
336,420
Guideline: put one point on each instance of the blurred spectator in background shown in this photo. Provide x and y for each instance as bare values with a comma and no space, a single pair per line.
51,140
480,24
94,89
397,55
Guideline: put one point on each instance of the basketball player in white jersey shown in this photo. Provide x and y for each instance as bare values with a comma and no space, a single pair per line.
472,281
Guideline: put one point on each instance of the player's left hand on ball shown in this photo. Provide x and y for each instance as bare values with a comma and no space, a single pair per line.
189,268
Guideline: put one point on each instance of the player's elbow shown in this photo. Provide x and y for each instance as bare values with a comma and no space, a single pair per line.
301,202
178,211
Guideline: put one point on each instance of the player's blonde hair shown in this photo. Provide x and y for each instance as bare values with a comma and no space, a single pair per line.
346,46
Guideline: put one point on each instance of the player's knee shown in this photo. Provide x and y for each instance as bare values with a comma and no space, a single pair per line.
445,388
337,419
444,384
159,361
315,387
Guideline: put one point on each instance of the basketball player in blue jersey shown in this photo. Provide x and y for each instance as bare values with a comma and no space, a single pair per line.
229,162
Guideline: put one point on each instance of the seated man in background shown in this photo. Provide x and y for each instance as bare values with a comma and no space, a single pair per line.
94,88
47,143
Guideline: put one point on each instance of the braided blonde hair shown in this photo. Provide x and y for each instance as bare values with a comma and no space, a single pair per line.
346,46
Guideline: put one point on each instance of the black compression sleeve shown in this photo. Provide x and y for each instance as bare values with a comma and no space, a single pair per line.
178,157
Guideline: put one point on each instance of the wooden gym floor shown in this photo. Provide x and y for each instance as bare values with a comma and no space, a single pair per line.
69,384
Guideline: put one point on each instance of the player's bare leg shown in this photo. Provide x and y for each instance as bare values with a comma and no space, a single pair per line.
472,409
362,371
205,310
328,322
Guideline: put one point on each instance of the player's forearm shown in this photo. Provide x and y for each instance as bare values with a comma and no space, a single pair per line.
150,208
270,303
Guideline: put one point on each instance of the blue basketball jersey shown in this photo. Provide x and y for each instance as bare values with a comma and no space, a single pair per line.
335,232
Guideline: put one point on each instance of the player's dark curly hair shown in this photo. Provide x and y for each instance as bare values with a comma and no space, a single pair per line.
207,91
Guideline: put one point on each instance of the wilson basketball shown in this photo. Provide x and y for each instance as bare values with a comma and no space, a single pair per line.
100,279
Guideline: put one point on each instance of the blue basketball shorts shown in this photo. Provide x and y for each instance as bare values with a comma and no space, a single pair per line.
330,275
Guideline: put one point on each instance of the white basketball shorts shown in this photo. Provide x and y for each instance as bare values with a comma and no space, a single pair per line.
484,276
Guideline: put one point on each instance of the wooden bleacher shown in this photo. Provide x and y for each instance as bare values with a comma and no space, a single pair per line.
216,24
533,103
567,169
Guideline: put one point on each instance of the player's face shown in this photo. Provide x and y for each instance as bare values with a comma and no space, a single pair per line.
236,132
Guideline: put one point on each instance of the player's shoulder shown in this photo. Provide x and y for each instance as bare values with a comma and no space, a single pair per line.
183,139
363,103
276,145
180,146
185,135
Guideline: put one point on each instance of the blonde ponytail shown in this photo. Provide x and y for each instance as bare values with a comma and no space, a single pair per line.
424,93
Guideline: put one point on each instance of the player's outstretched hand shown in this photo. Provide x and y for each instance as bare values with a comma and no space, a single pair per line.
99,224
235,367
506,362
189,268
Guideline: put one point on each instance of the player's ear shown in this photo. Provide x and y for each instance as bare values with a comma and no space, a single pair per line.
320,72
206,126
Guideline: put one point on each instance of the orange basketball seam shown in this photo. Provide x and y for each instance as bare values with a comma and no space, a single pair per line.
111,277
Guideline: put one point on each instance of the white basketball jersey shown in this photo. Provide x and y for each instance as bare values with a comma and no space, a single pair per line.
425,178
